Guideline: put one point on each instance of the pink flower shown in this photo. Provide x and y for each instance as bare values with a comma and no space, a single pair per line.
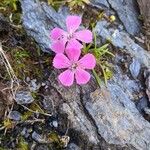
62,39
75,67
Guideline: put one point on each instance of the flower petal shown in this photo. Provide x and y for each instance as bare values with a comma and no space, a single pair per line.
66,78
84,36
82,76
60,61
73,54
73,43
88,61
58,46
56,33
73,23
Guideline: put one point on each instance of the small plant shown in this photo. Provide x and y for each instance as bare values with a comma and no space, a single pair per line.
67,43
68,46
74,66
100,54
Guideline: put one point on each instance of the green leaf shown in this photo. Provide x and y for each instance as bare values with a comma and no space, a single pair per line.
96,77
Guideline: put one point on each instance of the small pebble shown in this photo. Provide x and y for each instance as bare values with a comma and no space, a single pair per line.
55,124
34,86
134,68
142,104
14,115
73,146
24,97
25,132
37,137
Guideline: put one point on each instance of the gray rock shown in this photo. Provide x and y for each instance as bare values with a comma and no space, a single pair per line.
99,3
122,40
41,147
38,138
25,132
135,67
38,20
142,104
34,86
108,112
55,124
24,97
14,115
128,14
48,103
147,111
73,146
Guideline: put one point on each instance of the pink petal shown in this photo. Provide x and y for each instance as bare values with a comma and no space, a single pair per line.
56,33
58,46
82,76
88,61
73,54
60,61
66,78
84,36
73,43
73,23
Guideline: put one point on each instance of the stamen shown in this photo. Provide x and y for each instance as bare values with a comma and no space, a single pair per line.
74,66
70,36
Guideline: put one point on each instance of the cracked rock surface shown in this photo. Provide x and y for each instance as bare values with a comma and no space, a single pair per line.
106,117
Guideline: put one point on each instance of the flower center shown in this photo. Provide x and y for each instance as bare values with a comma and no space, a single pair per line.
74,66
70,36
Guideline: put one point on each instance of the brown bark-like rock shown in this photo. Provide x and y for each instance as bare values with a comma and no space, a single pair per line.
144,6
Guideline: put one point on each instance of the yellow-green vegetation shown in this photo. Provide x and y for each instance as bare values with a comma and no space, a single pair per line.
24,63
22,144
22,58
8,124
75,4
56,140
9,5
72,4
12,10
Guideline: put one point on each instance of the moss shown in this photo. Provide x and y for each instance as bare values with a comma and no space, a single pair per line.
56,141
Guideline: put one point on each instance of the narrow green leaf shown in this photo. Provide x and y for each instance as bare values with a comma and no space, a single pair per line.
96,77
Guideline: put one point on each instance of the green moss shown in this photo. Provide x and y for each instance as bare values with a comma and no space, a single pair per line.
22,145
56,141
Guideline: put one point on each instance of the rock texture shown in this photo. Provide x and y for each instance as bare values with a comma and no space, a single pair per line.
24,97
38,20
127,12
122,40
100,4
106,117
